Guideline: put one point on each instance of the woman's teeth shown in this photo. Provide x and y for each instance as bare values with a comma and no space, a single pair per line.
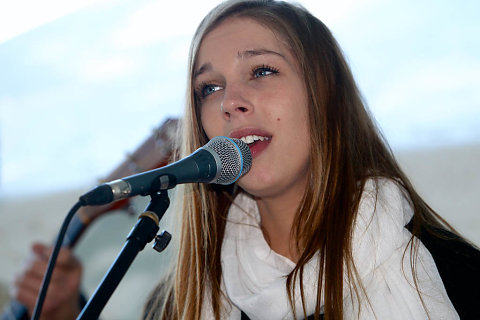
253,138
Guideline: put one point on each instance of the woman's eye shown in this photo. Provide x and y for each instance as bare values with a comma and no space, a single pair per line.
207,89
263,71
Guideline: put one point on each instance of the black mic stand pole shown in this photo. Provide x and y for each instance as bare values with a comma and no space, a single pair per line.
142,233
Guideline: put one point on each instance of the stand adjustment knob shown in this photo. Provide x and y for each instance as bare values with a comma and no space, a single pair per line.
162,240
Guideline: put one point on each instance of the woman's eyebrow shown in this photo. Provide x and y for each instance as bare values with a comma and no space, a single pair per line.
242,55
204,68
257,52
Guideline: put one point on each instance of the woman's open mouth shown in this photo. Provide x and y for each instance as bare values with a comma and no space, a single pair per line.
256,143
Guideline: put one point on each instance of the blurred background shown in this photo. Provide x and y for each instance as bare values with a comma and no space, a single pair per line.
84,83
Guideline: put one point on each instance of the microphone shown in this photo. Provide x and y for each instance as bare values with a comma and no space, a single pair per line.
222,160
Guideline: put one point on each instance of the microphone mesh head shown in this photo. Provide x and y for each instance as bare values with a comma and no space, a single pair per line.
235,158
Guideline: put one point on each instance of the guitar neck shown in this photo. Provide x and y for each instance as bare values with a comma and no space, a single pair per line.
84,217
74,232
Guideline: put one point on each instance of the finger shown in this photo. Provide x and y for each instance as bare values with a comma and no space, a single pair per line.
32,275
67,272
26,291
65,255
60,294
67,259
66,276
28,283
41,250
35,268
32,278
25,295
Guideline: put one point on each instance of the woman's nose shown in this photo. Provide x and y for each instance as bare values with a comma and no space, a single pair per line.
235,102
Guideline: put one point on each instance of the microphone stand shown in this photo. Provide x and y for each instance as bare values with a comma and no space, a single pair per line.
142,233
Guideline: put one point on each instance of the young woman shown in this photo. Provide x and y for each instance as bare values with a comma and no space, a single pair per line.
325,223
317,227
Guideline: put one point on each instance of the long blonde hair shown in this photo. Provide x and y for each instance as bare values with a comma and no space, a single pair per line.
347,149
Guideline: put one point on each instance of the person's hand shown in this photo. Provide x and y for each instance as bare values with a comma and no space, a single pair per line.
63,294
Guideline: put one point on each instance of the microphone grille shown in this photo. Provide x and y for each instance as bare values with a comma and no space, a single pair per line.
235,158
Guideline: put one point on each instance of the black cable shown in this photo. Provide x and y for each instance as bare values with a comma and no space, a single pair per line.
52,261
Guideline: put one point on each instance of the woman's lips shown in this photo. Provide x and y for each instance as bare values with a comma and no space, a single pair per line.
256,139
258,146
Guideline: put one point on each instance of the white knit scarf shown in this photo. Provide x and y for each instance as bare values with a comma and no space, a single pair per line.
254,275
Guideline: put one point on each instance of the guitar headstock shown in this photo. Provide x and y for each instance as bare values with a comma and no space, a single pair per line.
155,152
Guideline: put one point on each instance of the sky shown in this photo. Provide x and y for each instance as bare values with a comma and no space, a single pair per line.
83,83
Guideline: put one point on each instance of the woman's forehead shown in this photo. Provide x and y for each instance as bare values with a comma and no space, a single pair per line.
242,37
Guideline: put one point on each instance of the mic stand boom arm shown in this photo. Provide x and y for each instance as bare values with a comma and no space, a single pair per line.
142,233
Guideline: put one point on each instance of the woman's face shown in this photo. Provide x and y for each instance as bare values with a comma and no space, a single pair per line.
250,88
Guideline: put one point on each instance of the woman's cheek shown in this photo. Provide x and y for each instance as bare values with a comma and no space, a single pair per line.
209,123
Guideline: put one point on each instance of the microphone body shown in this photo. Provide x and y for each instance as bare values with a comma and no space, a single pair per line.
222,160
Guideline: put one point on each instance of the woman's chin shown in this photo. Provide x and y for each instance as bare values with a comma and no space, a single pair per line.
255,185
